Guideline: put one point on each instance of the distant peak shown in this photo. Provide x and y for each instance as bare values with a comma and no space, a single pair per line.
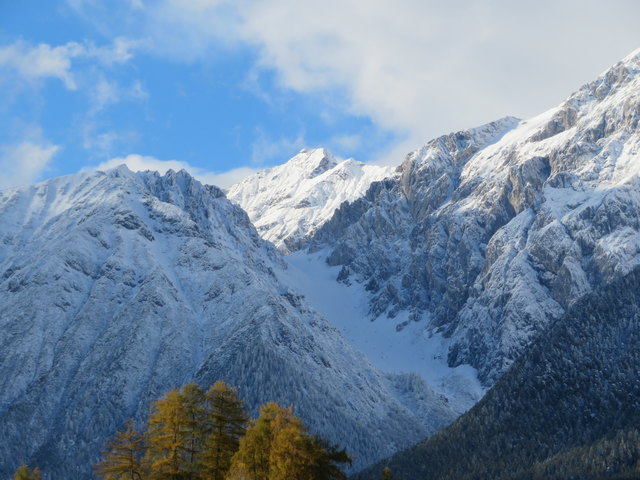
121,168
633,58
314,161
182,173
120,171
619,75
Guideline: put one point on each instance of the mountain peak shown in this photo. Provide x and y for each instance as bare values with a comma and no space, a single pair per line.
289,202
119,171
633,58
313,162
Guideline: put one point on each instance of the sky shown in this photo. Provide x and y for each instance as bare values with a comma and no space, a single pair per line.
223,88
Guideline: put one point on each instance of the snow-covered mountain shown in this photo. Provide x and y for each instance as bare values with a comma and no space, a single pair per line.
487,235
288,203
117,286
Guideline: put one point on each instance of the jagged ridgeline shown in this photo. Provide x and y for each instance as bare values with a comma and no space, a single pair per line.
568,409
489,234
117,286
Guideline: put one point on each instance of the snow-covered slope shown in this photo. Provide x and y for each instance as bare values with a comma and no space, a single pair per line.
117,286
288,203
408,351
487,235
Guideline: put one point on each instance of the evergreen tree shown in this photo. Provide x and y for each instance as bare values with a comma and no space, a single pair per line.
23,473
121,459
195,418
251,461
326,459
227,421
170,438
386,474
277,446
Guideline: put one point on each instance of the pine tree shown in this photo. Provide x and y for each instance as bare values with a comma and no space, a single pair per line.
277,446
193,399
23,473
121,459
326,459
292,450
175,435
386,474
227,421
251,461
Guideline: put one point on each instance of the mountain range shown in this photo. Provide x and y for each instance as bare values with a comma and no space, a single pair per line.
381,303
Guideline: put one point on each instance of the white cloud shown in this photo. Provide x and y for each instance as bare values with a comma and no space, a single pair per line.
189,30
138,163
24,162
426,67
228,178
417,67
107,92
345,142
41,61
103,94
121,51
101,143
34,62
137,91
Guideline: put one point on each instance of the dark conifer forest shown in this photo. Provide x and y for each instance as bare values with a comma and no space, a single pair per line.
569,408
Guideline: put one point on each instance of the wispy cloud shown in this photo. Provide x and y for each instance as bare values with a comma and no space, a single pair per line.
42,61
265,148
345,142
182,30
138,163
426,67
417,68
24,162
106,92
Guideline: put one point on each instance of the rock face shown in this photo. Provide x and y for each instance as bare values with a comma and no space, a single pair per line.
116,287
288,203
489,234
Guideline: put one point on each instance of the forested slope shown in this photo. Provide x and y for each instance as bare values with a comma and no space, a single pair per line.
569,408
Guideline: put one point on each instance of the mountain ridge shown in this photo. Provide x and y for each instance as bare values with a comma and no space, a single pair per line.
488,247
118,286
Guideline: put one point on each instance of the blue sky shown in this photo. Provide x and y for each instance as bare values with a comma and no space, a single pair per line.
224,88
